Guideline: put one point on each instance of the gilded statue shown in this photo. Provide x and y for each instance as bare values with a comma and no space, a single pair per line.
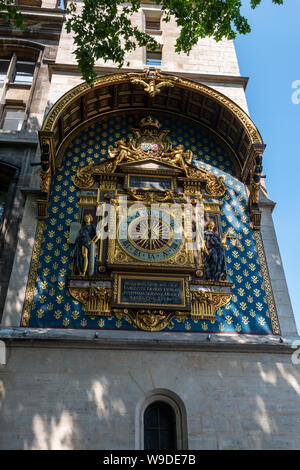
83,244
120,153
179,157
213,253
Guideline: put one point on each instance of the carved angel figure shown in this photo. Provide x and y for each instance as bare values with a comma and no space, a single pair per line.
178,157
120,153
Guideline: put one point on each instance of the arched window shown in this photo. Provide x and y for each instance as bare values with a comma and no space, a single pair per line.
159,427
161,421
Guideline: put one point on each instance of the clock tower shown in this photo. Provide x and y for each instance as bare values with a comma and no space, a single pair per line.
145,304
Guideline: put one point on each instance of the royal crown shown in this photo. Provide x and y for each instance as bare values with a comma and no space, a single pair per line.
149,122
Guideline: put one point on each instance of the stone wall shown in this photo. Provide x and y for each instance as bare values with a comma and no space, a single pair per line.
20,149
53,397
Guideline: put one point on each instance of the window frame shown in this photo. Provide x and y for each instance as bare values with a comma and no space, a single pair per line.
176,403
23,56
3,119
159,407
158,63
8,64
154,16
15,72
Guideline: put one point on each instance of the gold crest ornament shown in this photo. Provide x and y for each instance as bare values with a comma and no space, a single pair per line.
152,81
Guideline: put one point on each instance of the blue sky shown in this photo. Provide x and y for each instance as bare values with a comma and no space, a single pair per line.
269,55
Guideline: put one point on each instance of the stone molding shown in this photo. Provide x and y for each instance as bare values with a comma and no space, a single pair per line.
138,340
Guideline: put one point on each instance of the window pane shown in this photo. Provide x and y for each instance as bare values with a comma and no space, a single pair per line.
13,120
24,72
3,69
151,440
14,114
152,417
153,58
153,24
159,427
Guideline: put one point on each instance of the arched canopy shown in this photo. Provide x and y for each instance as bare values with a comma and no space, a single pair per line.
117,93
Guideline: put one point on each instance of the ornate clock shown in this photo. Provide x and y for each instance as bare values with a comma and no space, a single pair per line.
154,205
150,235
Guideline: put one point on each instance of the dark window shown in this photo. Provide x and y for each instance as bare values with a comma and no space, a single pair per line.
24,72
159,427
153,24
3,195
4,63
21,71
6,176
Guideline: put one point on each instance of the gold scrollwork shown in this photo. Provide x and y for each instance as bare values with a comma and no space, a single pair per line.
84,177
151,197
147,320
108,182
152,81
96,299
45,180
205,303
215,185
192,188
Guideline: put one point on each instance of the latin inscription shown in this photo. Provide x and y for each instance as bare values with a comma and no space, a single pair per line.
151,291
151,182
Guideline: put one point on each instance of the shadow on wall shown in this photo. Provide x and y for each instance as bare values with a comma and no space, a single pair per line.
86,398
19,149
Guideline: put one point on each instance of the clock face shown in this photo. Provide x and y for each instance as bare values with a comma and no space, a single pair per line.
150,235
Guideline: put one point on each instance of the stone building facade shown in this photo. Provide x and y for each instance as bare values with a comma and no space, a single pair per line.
84,375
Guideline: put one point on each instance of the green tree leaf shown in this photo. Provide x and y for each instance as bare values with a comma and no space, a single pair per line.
102,29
